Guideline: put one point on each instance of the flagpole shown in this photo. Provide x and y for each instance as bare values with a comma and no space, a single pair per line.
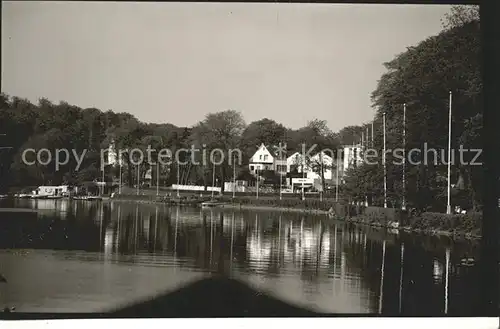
281,182
120,179
102,191
257,192
322,176
234,178
178,177
213,180
138,179
303,170
404,156
337,180
157,178
448,205
385,168
281,169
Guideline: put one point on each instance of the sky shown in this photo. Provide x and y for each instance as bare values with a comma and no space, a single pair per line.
176,62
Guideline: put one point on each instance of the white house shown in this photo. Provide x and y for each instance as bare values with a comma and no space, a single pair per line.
112,157
311,166
311,169
237,186
316,161
295,161
261,160
352,156
51,190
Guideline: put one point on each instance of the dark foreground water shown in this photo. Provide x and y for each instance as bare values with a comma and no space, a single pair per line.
88,257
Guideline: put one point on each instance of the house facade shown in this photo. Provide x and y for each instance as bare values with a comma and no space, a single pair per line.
52,190
306,173
352,157
261,160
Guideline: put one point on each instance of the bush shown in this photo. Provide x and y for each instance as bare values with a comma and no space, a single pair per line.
295,203
457,223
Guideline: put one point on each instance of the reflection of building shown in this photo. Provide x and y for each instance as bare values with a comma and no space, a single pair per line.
325,251
259,251
438,270
108,241
58,206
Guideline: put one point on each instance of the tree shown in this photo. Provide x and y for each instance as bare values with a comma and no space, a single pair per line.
222,131
264,131
460,15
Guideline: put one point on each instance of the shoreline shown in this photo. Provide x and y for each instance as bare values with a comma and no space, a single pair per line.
354,220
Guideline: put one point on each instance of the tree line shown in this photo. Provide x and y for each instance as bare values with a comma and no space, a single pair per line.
64,126
420,77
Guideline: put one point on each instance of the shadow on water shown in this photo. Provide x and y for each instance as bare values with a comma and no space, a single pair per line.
309,261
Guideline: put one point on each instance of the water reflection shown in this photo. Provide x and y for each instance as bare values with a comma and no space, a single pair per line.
312,261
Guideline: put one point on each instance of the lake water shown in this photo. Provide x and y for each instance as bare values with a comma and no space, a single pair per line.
94,256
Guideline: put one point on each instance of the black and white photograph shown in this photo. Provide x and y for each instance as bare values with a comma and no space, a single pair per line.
176,159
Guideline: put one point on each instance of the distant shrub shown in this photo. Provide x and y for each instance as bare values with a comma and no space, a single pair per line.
457,223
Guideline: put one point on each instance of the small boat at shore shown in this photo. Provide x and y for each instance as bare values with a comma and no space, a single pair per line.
39,197
87,198
54,197
22,196
210,204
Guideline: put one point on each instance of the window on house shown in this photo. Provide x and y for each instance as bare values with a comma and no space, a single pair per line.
265,157
260,157
251,168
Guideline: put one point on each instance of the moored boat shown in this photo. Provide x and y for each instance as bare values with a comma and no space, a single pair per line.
54,197
213,203
38,196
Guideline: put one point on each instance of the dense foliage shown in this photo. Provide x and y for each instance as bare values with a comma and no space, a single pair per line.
422,78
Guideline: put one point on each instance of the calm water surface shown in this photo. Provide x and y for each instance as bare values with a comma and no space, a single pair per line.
89,257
